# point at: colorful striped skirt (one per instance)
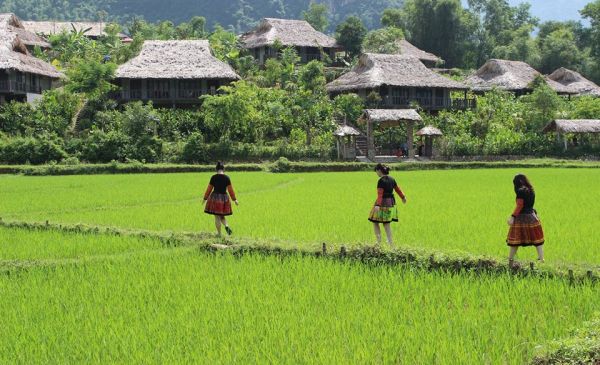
(387, 212)
(218, 204)
(525, 231)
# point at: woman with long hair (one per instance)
(384, 211)
(525, 226)
(216, 199)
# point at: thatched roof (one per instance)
(573, 126)
(408, 49)
(429, 131)
(190, 59)
(346, 130)
(15, 25)
(575, 82)
(288, 32)
(46, 28)
(13, 51)
(510, 76)
(391, 115)
(374, 70)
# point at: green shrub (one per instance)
(24, 150)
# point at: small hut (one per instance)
(15, 26)
(390, 118)
(92, 30)
(513, 76)
(428, 59)
(345, 136)
(401, 81)
(22, 76)
(429, 133)
(308, 42)
(173, 73)
(575, 81)
(562, 127)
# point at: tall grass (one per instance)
(450, 210)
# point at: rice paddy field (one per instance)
(463, 210)
(102, 298)
(180, 305)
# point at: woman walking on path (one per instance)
(525, 227)
(385, 210)
(216, 198)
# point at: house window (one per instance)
(424, 97)
(400, 96)
(135, 89)
(158, 89)
(190, 89)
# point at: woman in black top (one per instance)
(216, 198)
(385, 211)
(525, 226)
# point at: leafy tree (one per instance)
(393, 17)
(558, 49)
(447, 38)
(316, 15)
(350, 34)
(348, 106)
(384, 40)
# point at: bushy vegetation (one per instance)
(283, 110)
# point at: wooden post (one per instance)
(343, 251)
(571, 277)
(370, 141)
(410, 142)
(324, 249)
(590, 275)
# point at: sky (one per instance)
(553, 9)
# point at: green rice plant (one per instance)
(190, 307)
(464, 210)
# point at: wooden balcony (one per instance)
(15, 87)
(428, 103)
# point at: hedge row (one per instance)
(424, 259)
(583, 347)
(281, 165)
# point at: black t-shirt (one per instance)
(528, 197)
(220, 182)
(387, 183)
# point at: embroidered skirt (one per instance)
(218, 204)
(525, 231)
(387, 212)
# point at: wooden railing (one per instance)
(429, 103)
(18, 87)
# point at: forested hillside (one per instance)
(236, 14)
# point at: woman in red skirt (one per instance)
(216, 198)
(525, 227)
(384, 211)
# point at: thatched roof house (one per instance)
(573, 80)
(400, 80)
(173, 71)
(10, 22)
(375, 70)
(515, 76)
(391, 115)
(346, 130)
(429, 131)
(289, 33)
(22, 76)
(92, 30)
(408, 49)
(573, 126)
